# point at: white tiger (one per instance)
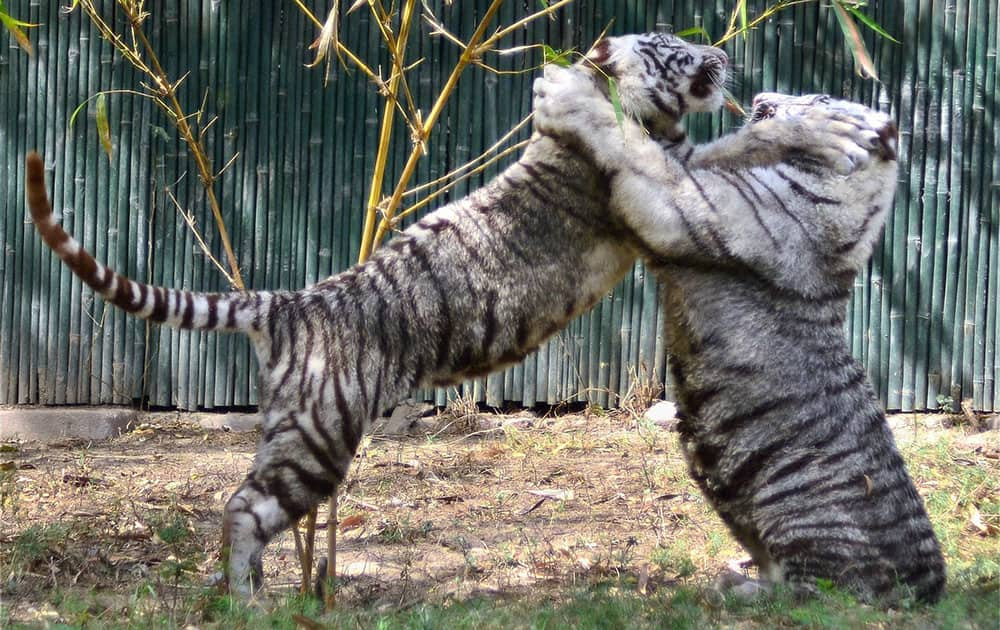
(757, 249)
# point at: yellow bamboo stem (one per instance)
(385, 134)
(470, 54)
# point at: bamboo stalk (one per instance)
(937, 184)
(978, 213)
(467, 57)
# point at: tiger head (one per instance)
(769, 105)
(661, 77)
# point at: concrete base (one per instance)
(51, 424)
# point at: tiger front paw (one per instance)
(568, 106)
(842, 135)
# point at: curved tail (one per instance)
(173, 307)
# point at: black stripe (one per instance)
(317, 420)
(305, 380)
(803, 191)
(751, 205)
(231, 315)
(159, 313)
(350, 434)
(755, 413)
(188, 310)
(791, 467)
(783, 207)
(446, 329)
(213, 310)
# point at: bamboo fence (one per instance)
(923, 318)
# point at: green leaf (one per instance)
(14, 26)
(103, 128)
(558, 57)
(863, 60)
(870, 23)
(616, 102)
(694, 30)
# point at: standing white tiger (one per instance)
(471, 288)
(781, 428)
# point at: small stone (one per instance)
(404, 417)
(663, 414)
(992, 423)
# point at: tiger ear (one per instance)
(600, 54)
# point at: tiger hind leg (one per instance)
(295, 469)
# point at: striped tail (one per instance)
(172, 307)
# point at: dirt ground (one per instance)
(480, 505)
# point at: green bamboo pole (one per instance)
(39, 341)
(311, 96)
(128, 335)
(917, 251)
(72, 215)
(971, 201)
(8, 153)
(898, 230)
(955, 301)
(207, 83)
(106, 354)
(28, 266)
(22, 245)
(937, 196)
(992, 194)
(951, 134)
(195, 260)
(979, 214)
(228, 61)
(180, 391)
(877, 306)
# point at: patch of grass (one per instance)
(402, 531)
(34, 546)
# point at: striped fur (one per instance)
(781, 427)
(471, 288)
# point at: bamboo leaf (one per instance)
(870, 23)
(103, 128)
(329, 37)
(863, 61)
(557, 57)
(616, 101)
(15, 27)
(694, 30)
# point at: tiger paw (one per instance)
(844, 136)
(568, 106)
(740, 586)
